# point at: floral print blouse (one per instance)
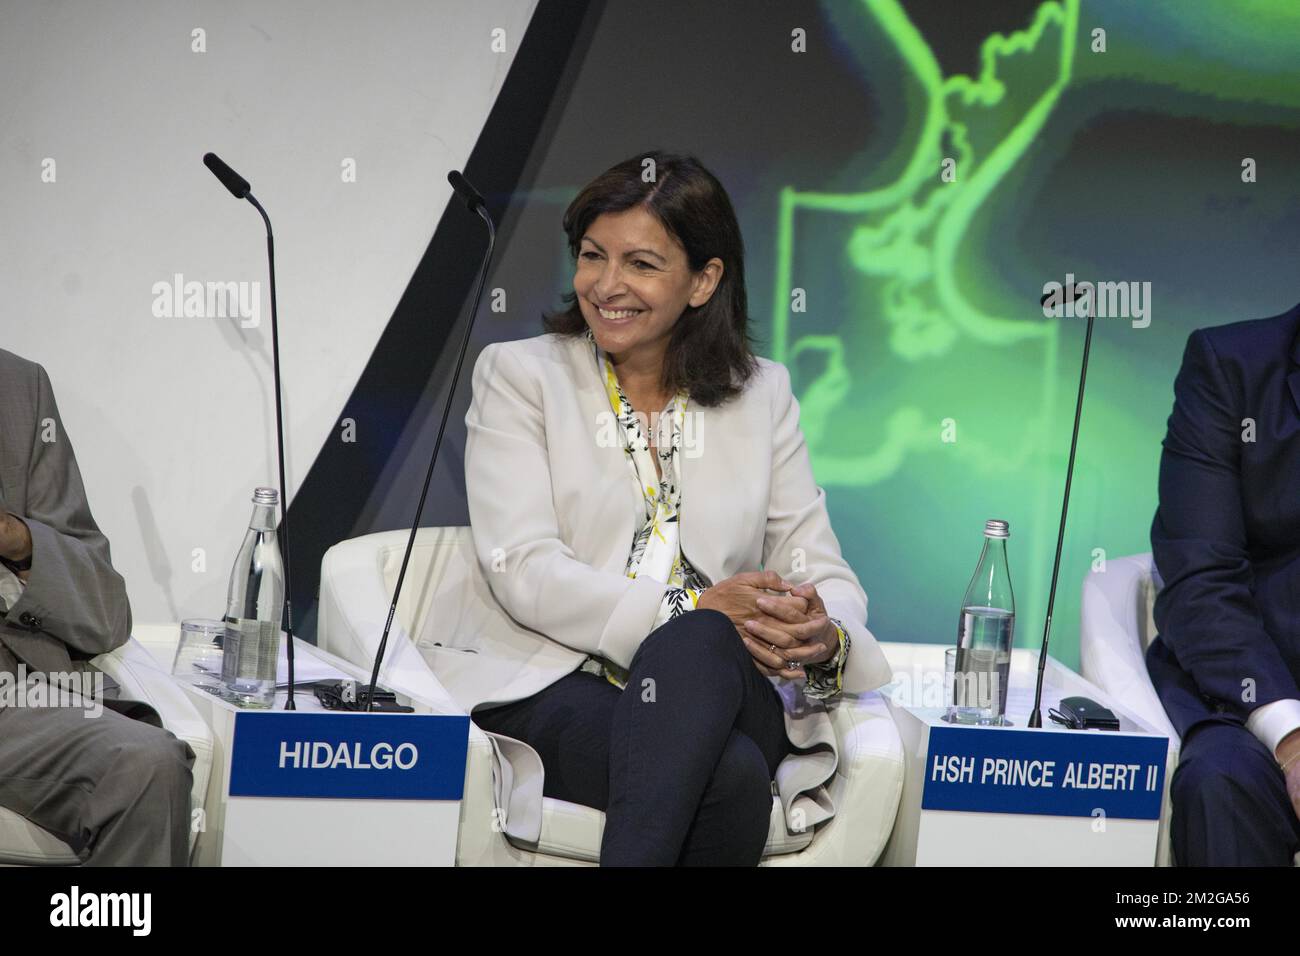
(656, 550)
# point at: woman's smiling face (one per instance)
(633, 282)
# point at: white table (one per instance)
(430, 826)
(915, 701)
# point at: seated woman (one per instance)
(641, 500)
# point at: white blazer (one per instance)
(553, 510)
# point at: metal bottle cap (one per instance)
(265, 496)
(996, 528)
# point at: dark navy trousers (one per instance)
(1230, 806)
(681, 761)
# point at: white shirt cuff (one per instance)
(1274, 721)
(11, 588)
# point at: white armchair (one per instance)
(1115, 629)
(143, 679)
(357, 579)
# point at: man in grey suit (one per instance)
(102, 775)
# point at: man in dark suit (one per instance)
(103, 775)
(1226, 541)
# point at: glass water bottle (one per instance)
(254, 609)
(985, 634)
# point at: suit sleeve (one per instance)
(1206, 612)
(72, 591)
(533, 574)
(799, 536)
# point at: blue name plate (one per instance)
(1065, 773)
(369, 756)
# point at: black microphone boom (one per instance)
(474, 201)
(1036, 716)
(239, 188)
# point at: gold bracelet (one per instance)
(1294, 758)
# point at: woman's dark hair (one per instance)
(710, 352)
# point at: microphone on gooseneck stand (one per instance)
(469, 195)
(1068, 294)
(239, 188)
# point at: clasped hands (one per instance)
(791, 627)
